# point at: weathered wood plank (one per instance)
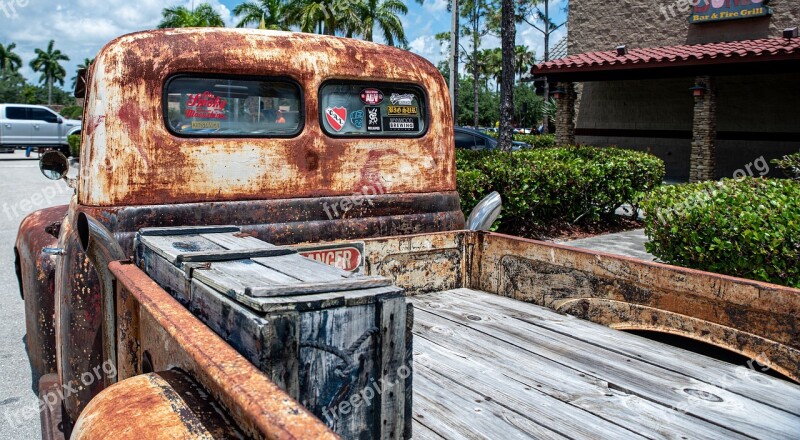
(237, 241)
(304, 269)
(458, 351)
(232, 254)
(170, 246)
(391, 321)
(320, 287)
(627, 374)
(454, 412)
(770, 391)
(187, 230)
(345, 400)
(422, 432)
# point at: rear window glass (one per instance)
(372, 109)
(228, 107)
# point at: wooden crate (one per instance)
(338, 342)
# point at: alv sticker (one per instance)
(371, 96)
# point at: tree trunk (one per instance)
(475, 71)
(546, 118)
(49, 90)
(508, 35)
(454, 63)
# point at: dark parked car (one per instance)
(469, 139)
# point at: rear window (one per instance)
(372, 110)
(233, 107)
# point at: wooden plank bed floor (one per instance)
(490, 367)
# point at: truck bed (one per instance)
(486, 366)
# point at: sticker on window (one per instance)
(353, 109)
(226, 107)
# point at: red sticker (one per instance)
(371, 96)
(336, 117)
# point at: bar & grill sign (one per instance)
(708, 11)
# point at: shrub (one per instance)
(72, 112)
(790, 165)
(534, 140)
(748, 228)
(74, 145)
(545, 186)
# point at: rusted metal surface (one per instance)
(129, 158)
(165, 405)
(36, 274)
(169, 336)
(420, 263)
(748, 317)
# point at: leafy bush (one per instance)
(748, 228)
(790, 165)
(534, 140)
(74, 145)
(72, 112)
(544, 186)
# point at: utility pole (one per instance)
(454, 62)
(546, 118)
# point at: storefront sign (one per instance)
(707, 11)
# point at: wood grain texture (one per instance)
(507, 350)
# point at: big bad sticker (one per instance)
(336, 117)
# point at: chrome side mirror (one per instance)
(54, 165)
(485, 213)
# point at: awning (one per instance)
(770, 55)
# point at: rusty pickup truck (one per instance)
(265, 241)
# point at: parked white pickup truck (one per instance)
(24, 126)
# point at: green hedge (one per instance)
(534, 140)
(547, 186)
(74, 145)
(790, 165)
(72, 112)
(748, 228)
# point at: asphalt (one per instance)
(23, 189)
(628, 243)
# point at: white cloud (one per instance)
(435, 6)
(428, 47)
(79, 27)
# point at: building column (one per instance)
(702, 164)
(565, 114)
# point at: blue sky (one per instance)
(81, 27)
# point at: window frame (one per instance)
(301, 119)
(375, 84)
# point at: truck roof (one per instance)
(129, 156)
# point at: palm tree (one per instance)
(310, 15)
(524, 58)
(508, 43)
(9, 61)
(47, 63)
(180, 16)
(271, 13)
(85, 65)
(384, 14)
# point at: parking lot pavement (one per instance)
(23, 190)
(628, 243)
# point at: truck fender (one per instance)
(36, 276)
(168, 404)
